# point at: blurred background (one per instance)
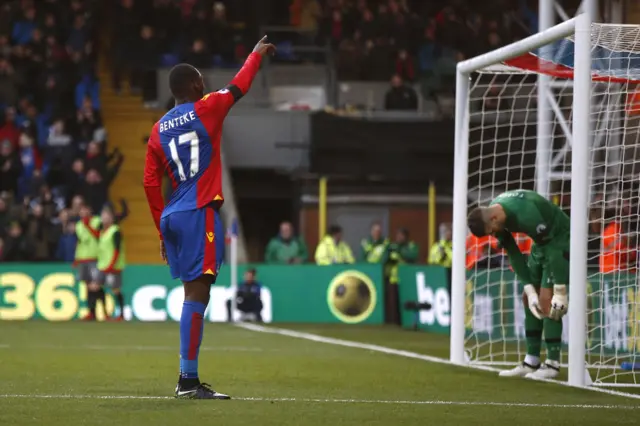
(81, 83)
(346, 132)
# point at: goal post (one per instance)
(590, 70)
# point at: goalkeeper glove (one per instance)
(559, 302)
(532, 298)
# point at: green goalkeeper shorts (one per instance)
(549, 264)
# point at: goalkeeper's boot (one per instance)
(521, 370)
(198, 391)
(548, 370)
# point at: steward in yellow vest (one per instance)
(374, 248)
(441, 253)
(332, 250)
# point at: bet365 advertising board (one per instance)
(494, 309)
(297, 293)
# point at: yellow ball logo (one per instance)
(351, 297)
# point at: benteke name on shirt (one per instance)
(178, 121)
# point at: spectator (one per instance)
(428, 52)
(348, 60)
(305, 15)
(198, 56)
(77, 202)
(47, 200)
(4, 216)
(248, 300)
(286, 248)
(51, 92)
(31, 160)
(88, 122)
(60, 146)
(40, 231)
(36, 48)
(368, 27)
(616, 252)
(94, 158)
(199, 26)
(10, 168)
(5, 46)
(336, 27)
(401, 251)
(9, 130)
(404, 66)
(10, 81)
(23, 29)
(58, 224)
(75, 177)
(375, 62)
(147, 63)
(33, 123)
(220, 32)
(374, 248)
(51, 27)
(127, 23)
(17, 247)
(400, 97)
(332, 250)
(493, 41)
(78, 37)
(164, 22)
(96, 185)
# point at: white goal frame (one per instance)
(580, 27)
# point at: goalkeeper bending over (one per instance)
(545, 272)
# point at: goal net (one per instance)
(518, 127)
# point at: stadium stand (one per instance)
(53, 143)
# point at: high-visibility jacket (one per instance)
(633, 103)
(330, 253)
(374, 251)
(615, 254)
(441, 254)
(523, 241)
(477, 248)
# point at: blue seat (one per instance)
(169, 59)
(285, 51)
(217, 61)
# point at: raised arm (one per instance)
(217, 104)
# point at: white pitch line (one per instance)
(135, 348)
(341, 401)
(402, 353)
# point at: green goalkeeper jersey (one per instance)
(546, 224)
(530, 213)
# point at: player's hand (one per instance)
(264, 47)
(163, 252)
(559, 302)
(534, 303)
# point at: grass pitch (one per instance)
(125, 373)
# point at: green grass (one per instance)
(138, 359)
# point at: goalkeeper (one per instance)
(545, 272)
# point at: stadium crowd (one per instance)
(53, 148)
(416, 40)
